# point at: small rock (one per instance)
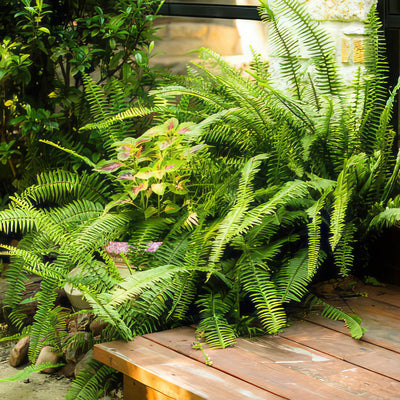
(67, 370)
(83, 364)
(47, 355)
(77, 346)
(19, 353)
(96, 326)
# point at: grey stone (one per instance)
(19, 353)
(48, 355)
(83, 364)
(96, 326)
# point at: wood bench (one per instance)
(312, 359)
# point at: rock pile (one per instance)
(75, 350)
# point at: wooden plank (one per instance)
(134, 390)
(388, 294)
(301, 377)
(172, 374)
(336, 373)
(357, 352)
(381, 321)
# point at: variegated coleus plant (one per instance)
(154, 169)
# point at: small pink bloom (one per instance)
(153, 246)
(117, 247)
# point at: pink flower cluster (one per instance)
(153, 246)
(124, 247)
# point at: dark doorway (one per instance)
(390, 15)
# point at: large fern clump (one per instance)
(307, 174)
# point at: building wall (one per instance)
(343, 19)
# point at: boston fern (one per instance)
(311, 169)
(56, 239)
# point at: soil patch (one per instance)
(37, 387)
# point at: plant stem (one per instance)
(125, 258)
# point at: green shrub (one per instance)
(45, 49)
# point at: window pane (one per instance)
(394, 7)
(219, 2)
(230, 38)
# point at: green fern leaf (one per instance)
(27, 371)
(91, 382)
(353, 322)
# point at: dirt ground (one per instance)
(37, 387)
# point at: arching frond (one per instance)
(353, 322)
(213, 325)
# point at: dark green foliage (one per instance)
(89, 384)
(214, 326)
(46, 51)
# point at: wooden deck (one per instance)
(314, 358)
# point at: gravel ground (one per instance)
(37, 387)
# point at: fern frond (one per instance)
(290, 65)
(257, 283)
(30, 369)
(134, 284)
(385, 219)
(33, 263)
(314, 233)
(353, 322)
(69, 151)
(343, 253)
(290, 191)
(316, 40)
(342, 196)
(230, 226)
(91, 382)
(132, 112)
(99, 105)
(61, 186)
(109, 314)
(293, 278)
(19, 220)
(185, 290)
(42, 327)
(96, 233)
(213, 325)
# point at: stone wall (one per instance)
(343, 19)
